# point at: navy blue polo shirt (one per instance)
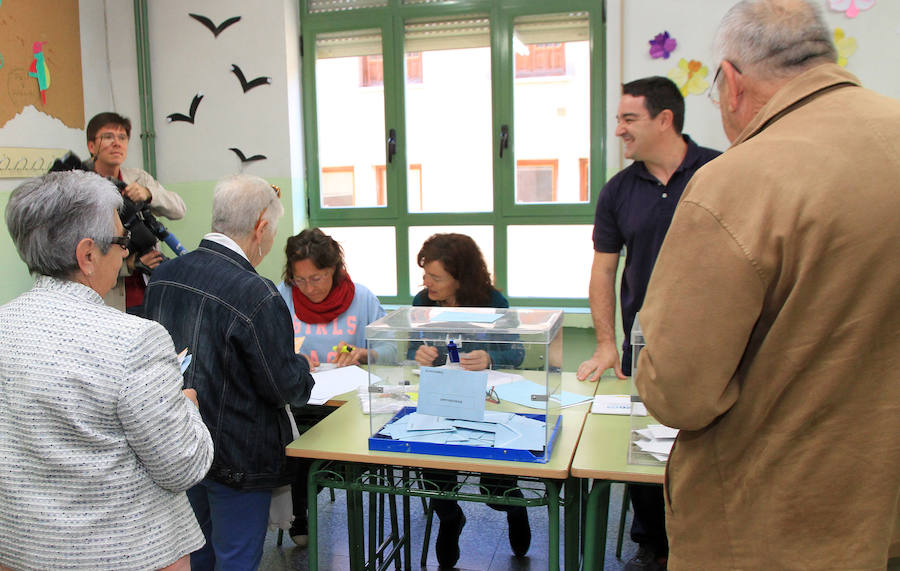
(634, 210)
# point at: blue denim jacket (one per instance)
(238, 330)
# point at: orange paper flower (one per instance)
(690, 77)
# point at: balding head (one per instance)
(775, 39)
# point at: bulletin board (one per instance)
(40, 60)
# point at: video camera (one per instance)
(136, 217)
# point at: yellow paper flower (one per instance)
(846, 47)
(689, 77)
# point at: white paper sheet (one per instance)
(332, 382)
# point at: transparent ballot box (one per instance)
(649, 442)
(508, 411)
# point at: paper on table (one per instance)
(617, 404)
(465, 317)
(661, 431)
(520, 392)
(656, 446)
(336, 381)
(454, 393)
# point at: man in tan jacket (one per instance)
(772, 319)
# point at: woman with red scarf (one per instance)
(330, 314)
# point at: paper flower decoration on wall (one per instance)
(846, 47)
(690, 76)
(850, 7)
(662, 45)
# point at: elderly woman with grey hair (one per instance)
(98, 442)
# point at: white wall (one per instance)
(187, 59)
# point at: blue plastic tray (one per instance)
(388, 444)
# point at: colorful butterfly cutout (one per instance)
(846, 47)
(850, 7)
(689, 76)
(662, 45)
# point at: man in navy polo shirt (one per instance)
(634, 210)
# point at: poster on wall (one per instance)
(40, 60)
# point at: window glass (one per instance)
(549, 261)
(552, 107)
(371, 256)
(483, 236)
(350, 116)
(342, 5)
(448, 114)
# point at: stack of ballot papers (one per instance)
(656, 440)
(617, 404)
(497, 430)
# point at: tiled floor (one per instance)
(483, 544)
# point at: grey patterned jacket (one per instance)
(97, 441)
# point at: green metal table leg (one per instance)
(553, 524)
(596, 520)
(373, 530)
(311, 492)
(355, 518)
(572, 529)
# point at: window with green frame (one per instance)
(453, 105)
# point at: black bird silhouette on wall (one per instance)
(189, 118)
(248, 85)
(216, 30)
(245, 159)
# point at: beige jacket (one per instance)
(162, 203)
(772, 323)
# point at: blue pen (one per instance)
(452, 352)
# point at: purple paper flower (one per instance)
(662, 45)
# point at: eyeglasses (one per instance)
(277, 191)
(311, 281)
(121, 240)
(110, 137)
(713, 93)
(491, 396)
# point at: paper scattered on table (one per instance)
(333, 381)
(656, 440)
(513, 431)
(617, 404)
(520, 392)
(465, 317)
(453, 393)
(386, 402)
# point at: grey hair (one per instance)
(238, 201)
(779, 38)
(48, 216)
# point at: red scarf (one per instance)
(335, 303)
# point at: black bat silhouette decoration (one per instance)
(248, 85)
(245, 159)
(216, 30)
(192, 113)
